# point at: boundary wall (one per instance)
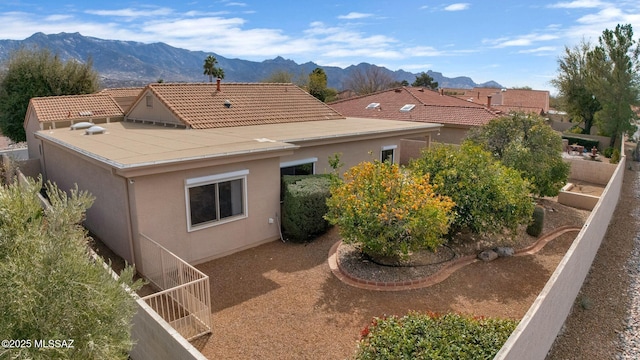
(538, 329)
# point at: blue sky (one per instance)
(513, 43)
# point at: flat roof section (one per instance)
(129, 145)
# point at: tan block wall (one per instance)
(591, 171)
(538, 329)
(576, 200)
(161, 212)
(108, 216)
(155, 339)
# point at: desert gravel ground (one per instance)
(281, 301)
(605, 320)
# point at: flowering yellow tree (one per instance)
(388, 211)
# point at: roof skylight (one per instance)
(407, 107)
(373, 105)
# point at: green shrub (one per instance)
(430, 336)
(587, 143)
(615, 156)
(575, 130)
(608, 152)
(388, 210)
(304, 206)
(535, 228)
(489, 197)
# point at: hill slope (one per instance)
(129, 63)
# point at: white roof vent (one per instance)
(85, 113)
(372, 106)
(407, 107)
(81, 125)
(94, 130)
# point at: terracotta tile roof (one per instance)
(516, 99)
(430, 107)
(75, 107)
(122, 92)
(202, 106)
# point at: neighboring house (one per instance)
(419, 104)
(505, 100)
(197, 167)
(123, 96)
(63, 111)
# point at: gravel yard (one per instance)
(281, 301)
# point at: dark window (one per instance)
(216, 201)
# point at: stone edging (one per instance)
(441, 275)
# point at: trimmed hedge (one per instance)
(304, 206)
(431, 336)
(587, 143)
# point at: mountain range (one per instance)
(129, 63)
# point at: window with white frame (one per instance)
(299, 167)
(388, 153)
(215, 199)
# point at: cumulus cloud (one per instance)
(354, 15)
(457, 7)
(578, 4)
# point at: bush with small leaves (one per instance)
(388, 210)
(432, 336)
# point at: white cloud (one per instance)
(132, 13)
(522, 40)
(354, 15)
(542, 49)
(578, 4)
(457, 7)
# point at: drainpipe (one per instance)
(132, 222)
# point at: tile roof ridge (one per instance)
(365, 95)
(38, 98)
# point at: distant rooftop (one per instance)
(211, 105)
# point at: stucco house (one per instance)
(197, 167)
(419, 104)
(505, 101)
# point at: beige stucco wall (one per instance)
(352, 152)
(451, 135)
(31, 127)
(157, 112)
(108, 216)
(161, 211)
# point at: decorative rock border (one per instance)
(441, 275)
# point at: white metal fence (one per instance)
(184, 300)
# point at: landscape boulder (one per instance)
(504, 251)
(488, 255)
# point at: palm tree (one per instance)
(211, 69)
